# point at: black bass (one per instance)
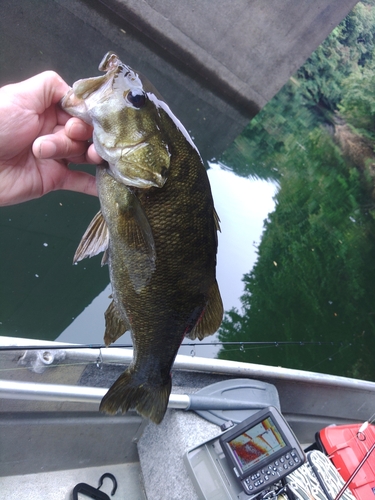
(157, 227)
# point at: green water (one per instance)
(41, 292)
(311, 289)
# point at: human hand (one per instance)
(38, 140)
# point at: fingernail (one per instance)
(47, 149)
(77, 129)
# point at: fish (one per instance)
(157, 228)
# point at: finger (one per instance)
(43, 148)
(78, 130)
(92, 156)
(62, 117)
(58, 146)
(80, 182)
(47, 88)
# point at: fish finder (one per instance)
(262, 450)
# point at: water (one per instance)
(41, 293)
(313, 280)
(310, 293)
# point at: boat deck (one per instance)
(47, 447)
(57, 485)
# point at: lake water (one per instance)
(41, 293)
(314, 282)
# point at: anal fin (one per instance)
(115, 325)
(211, 319)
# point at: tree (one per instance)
(358, 102)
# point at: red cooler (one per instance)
(346, 446)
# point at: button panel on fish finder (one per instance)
(279, 468)
(261, 450)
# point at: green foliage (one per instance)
(349, 46)
(356, 32)
(313, 280)
(358, 101)
(321, 76)
(259, 151)
(310, 97)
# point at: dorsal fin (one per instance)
(217, 221)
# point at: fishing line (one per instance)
(63, 347)
(244, 349)
(249, 346)
(330, 357)
(256, 346)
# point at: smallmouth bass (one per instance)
(157, 228)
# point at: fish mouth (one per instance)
(70, 100)
(101, 85)
(109, 62)
(114, 67)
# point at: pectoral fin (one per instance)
(115, 325)
(212, 317)
(95, 239)
(133, 235)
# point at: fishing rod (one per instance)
(62, 346)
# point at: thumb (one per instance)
(46, 88)
(58, 145)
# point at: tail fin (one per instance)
(127, 392)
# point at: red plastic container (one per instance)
(346, 446)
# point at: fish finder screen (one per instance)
(256, 444)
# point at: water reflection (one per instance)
(313, 280)
(242, 204)
(311, 289)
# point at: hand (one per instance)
(38, 140)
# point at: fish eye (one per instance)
(136, 99)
